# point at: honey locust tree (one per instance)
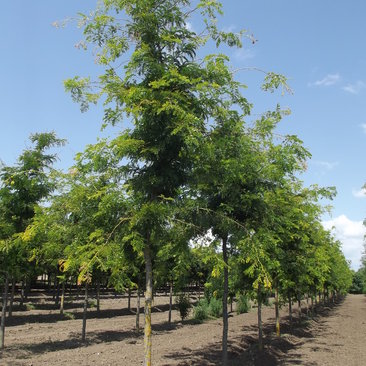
(168, 95)
(22, 188)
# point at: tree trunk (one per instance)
(138, 311)
(57, 300)
(12, 297)
(3, 312)
(260, 328)
(225, 318)
(312, 305)
(148, 304)
(290, 309)
(22, 295)
(62, 298)
(129, 300)
(277, 311)
(98, 295)
(170, 301)
(83, 331)
(299, 305)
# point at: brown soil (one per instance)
(43, 337)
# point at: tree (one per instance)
(22, 189)
(169, 96)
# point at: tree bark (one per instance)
(138, 311)
(85, 310)
(277, 311)
(225, 326)
(148, 304)
(22, 295)
(170, 301)
(98, 295)
(129, 300)
(12, 294)
(3, 312)
(290, 308)
(260, 328)
(299, 305)
(62, 298)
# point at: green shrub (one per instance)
(183, 305)
(215, 307)
(243, 304)
(201, 311)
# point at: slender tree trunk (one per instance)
(290, 308)
(129, 300)
(62, 298)
(299, 305)
(307, 304)
(85, 310)
(260, 328)
(225, 318)
(312, 305)
(148, 304)
(138, 311)
(12, 294)
(27, 287)
(49, 281)
(98, 295)
(3, 311)
(57, 300)
(170, 301)
(22, 294)
(277, 311)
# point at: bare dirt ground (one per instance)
(40, 336)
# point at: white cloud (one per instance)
(326, 164)
(231, 28)
(351, 235)
(359, 194)
(363, 126)
(243, 54)
(329, 80)
(355, 88)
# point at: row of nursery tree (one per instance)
(189, 193)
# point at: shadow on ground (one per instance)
(244, 350)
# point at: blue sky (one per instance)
(318, 45)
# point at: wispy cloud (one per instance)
(350, 234)
(229, 28)
(363, 126)
(355, 88)
(243, 54)
(328, 80)
(327, 165)
(360, 193)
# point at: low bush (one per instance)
(215, 307)
(207, 309)
(243, 304)
(201, 311)
(183, 305)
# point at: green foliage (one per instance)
(358, 282)
(201, 311)
(215, 307)
(206, 309)
(183, 305)
(242, 304)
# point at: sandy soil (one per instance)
(40, 336)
